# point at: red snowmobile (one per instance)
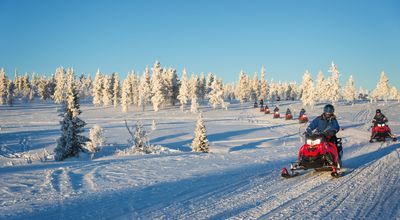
(317, 153)
(262, 109)
(380, 132)
(288, 117)
(266, 110)
(303, 119)
(276, 115)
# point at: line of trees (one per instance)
(160, 87)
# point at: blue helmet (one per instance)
(329, 109)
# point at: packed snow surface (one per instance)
(239, 178)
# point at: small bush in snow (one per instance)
(96, 135)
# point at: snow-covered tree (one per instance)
(394, 94)
(382, 89)
(243, 88)
(96, 136)
(10, 93)
(107, 91)
(209, 81)
(194, 93)
(97, 91)
(307, 87)
(255, 88)
(116, 89)
(70, 143)
(184, 93)
(349, 92)
(125, 94)
(333, 87)
(202, 87)
(200, 141)
(263, 85)
(59, 92)
(145, 89)
(3, 87)
(171, 85)
(216, 94)
(320, 87)
(158, 92)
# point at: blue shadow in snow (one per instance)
(356, 162)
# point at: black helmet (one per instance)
(378, 111)
(329, 109)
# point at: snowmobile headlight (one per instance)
(318, 141)
(381, 125)
(309, 142)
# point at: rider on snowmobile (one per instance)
(302, 112)
(327, 125)
(288, 112)
(380, 118)
(261, 103)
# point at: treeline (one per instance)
(159, 87)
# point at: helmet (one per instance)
(329, 109)
(378, 111)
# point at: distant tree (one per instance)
(210, 80)
(60, 79)
(394, 94)
(216, 94)
(202, 87)
(107, 91)
(125, 94)
(263, 85)
(171, 85)
(307, 87)
(200, 141)
(116, 89)
(320, 90)
(70, 143)
(382, 89)
(3, 87)
(184, 94)
(243, 88)
(333, 87)
(145, 89)
(349, 92)
(97, 91)
(195, 94)
(158, 92)
(10, 93)
(255, 88)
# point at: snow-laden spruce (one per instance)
(158, 89)
(3, 87)
(263, 85)
(200, 141)
(97, 91)
(349, 92)
(183, 96)
(333, 86)
(216, 94)
(70, 143)
(59, 92)
(195, 88)
(382, 89)
(307, 87)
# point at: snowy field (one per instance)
(239, 179)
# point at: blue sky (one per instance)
(220, 36)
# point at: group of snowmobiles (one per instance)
(322, 150)
(275, 114)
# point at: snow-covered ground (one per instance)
(239, 179)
